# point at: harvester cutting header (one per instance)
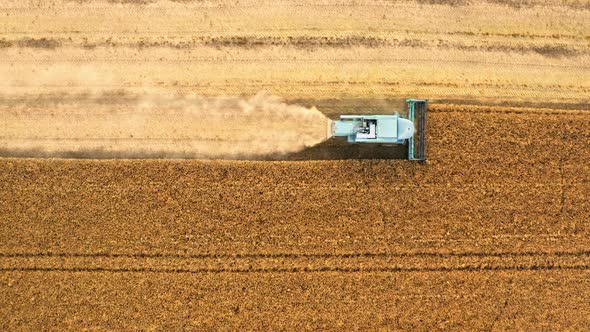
(388, 129)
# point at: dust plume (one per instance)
(157, 124)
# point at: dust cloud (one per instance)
(87, 113)
(157, 124)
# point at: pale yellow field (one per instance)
(479, 51)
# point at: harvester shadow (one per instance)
(331, 149)
(340, 149)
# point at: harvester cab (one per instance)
(388, 129)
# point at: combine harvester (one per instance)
(387, 129)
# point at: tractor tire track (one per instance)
(229, 41)
(474, 268)
(279, 263)
(292, 255)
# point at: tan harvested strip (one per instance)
(477, 51)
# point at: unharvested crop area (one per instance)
(495, 225)
(491, 234)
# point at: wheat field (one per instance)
(491, 234)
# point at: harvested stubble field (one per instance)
(491, 234)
